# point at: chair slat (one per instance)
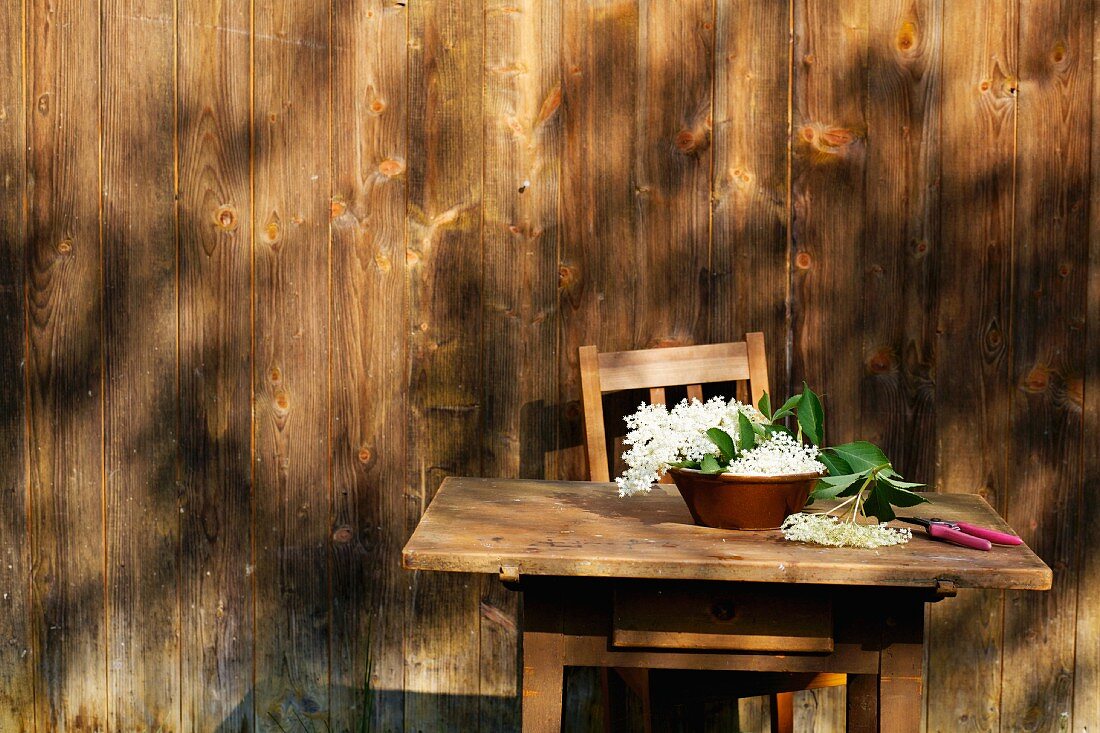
(678, 365)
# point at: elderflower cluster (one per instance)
(780, 455)
(658, 438)
(823, 529)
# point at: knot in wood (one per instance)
(225, 218)
(1037, 380)
(391, 167)
(343, 535)
(803, 261)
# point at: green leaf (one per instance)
(765, 405)
(860, 455)
(837, 466)
(894, 480)
(684, 464)
(898, 496)
(877, 506)
(834, 486)
(748, 435)
(810, 415)
(787, 408)
(710, 464)
(722, 439)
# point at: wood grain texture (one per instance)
(369, 318)
(821, 710)
(899, 257)
(1086, 676)
(598, 278)
(1048, 341)
(973, 393)
(521, 109)
(828, 189)
(292, 514)
(586, 529)
(16, 662)
(139, 251)
(215, 365)
(749, 190)
(65, 365)
(444, 265)
(672, 163)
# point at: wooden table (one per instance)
(632, 583)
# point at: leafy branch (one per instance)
(859, 473)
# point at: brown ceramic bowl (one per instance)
(742, 502)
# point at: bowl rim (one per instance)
(735, 478)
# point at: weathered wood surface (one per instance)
(64, 301)
(291, 429)
(750, 194)
(213, 59)
(829, 183)
(1086, 677)
(585, 529)
(140, 293)
(1051, 227)
(16, 661)
(972, 390)
(444, 267)
(369, 318)
(521, 233)
(898, 194)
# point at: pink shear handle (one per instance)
(956, 537)
(999, 538)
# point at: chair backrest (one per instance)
(655, 369)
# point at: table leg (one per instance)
(543, 675)
(901, 671)
(543, 662)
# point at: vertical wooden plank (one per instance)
(598, 274)
(1052, 228)
(1086, 677)
(672, 164)
(16, 662)
(522, 129)
(598, 277)
(973, 393)
(292, 501)
(750, 203)
(369, 317)
(899, 255)
(444, 291)
(215, 364)
(828, 190)
(139, 220)
(65, 364)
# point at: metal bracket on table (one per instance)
(945, 589)
(509, 576)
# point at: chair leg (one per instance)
(782, 712)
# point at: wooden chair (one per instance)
(690, 366)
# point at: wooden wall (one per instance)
(270, 271)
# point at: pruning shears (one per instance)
(964, 534)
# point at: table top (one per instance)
(583, 529)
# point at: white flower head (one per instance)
(823, 529)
